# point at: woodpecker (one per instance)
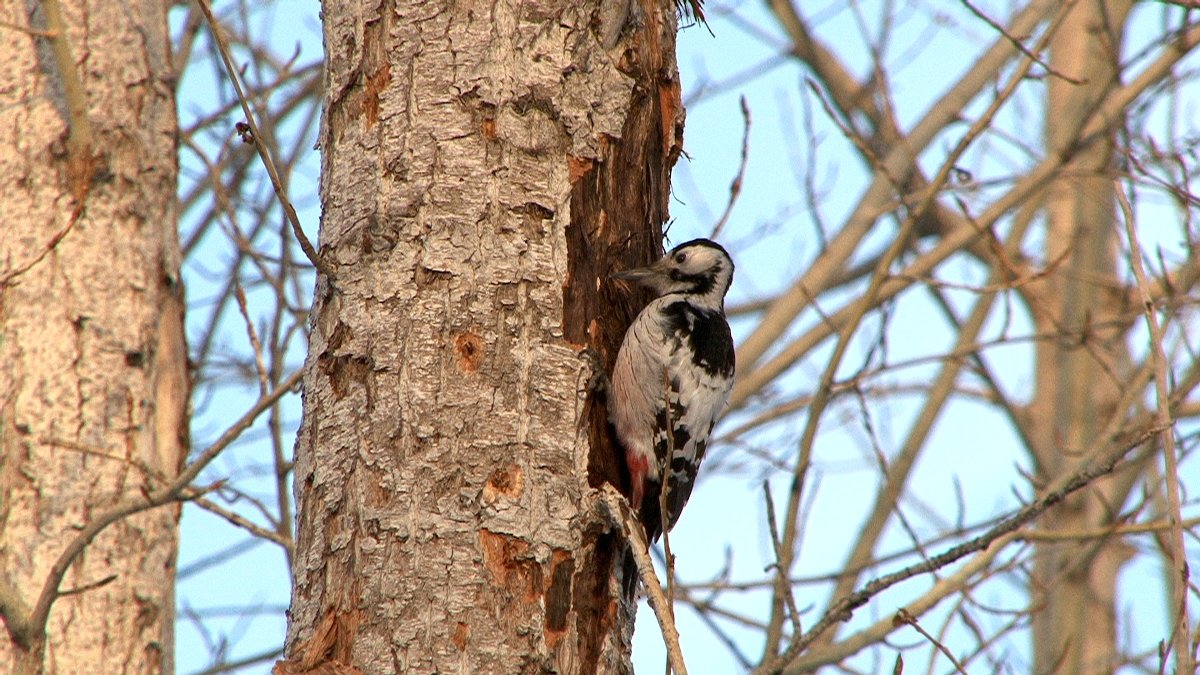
(673, 375)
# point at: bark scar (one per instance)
(469, 348)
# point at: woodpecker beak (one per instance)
(641, 275)
(647, 276)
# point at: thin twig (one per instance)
(951, 584)
(780, 575)
(938, 393)
(859, 308)
(230, 666)
(620, 515)
(1104, 455)
(88, 587)
(50, 245)
(79, 131)
(847, 91)
(1153, 527)
(664, 487)
(1016, 42)
(1180, 631)
(735, 188)
(821, 398)
(26, 29)
(263, 152)
(779, 318)
(707, 611)
(905, 618)
(246, 524)
(252, 334)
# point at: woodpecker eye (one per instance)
(680, 257)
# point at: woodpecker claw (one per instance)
(598, 379)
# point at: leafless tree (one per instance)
(93, 366)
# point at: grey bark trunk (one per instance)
(93, 366)
(484, 167)
(1080, 375)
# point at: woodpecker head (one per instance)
(700, 269)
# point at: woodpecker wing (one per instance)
(695, 387)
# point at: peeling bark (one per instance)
(93, 364)
(484, 168)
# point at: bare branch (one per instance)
(735, 188)
(842, 609)
(905, 618)
(79, 135)
(1108, 113)
(1180, 630)
(263, 152)
(245, 523)
(898, 161)
(36, 623)
(1016, 42)
(782, 587)
(618, 512)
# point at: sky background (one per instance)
(773, 233)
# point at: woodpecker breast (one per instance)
(673, 376)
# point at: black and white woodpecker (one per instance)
(673, 376)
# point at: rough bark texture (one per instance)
(1081, 375)
(93, 379)
(485, 165)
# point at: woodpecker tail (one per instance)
(650, 511)
(629, 577)
(650, 516)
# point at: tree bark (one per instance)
(93, 364)
(484, 167)
(1080, 376)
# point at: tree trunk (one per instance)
(93, 366)
(484, 167)
(1080, 375)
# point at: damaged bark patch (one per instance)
(670, 98)
(511, 566)
(507, 482)
(462, 632)
(516, 575)
(326, 651)
(469, 348)
(619, 202)
(558, 596)
(344, 369)
(375, 84)
(595, 606)
(340, 335)
(578, 167)
(358, 98)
